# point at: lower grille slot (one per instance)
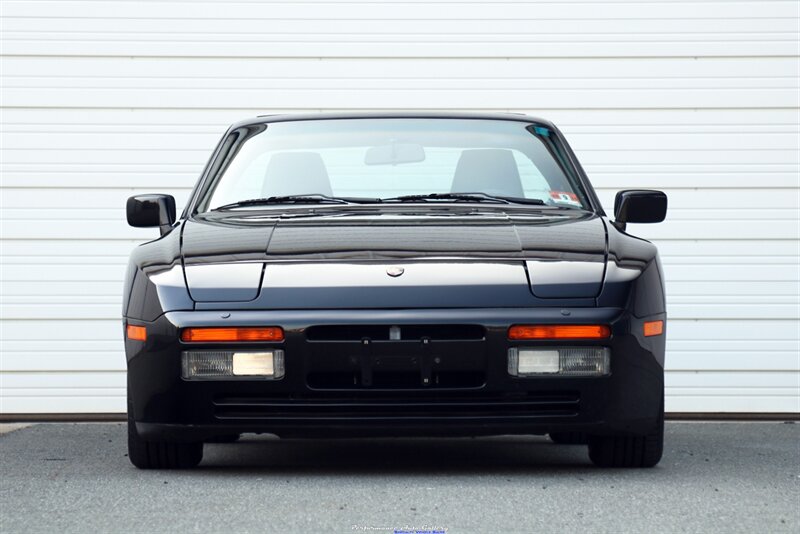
(396, 380)
(532, 405)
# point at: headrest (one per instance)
(487, 170)
(296, 173)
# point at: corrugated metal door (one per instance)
(102, 100)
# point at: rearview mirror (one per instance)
(395, 154)
(145, 211)
(639, 206)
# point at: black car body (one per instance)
(453, 315)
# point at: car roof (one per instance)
(288, 117)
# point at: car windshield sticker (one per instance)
(564, 197)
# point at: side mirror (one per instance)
(145, 211)
(639, 206)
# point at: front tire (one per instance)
(629, 451)
(160, 454)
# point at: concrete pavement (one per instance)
(715, 477)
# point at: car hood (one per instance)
(238, 258)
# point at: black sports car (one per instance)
(395, 274)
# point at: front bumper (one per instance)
(469, 392)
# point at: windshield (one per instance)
(369, 160)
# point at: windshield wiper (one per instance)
(468, 197)
(297, 199)
(568, 208)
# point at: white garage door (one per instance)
(102, 100)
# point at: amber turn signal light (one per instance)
(653, 328)
(576, 331)
(136, 333)
(235, 334)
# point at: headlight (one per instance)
(223, 365)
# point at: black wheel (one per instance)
(225, 438)
(569, 438)
(160, 454)
(629, 451)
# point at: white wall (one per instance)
(104, 99)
